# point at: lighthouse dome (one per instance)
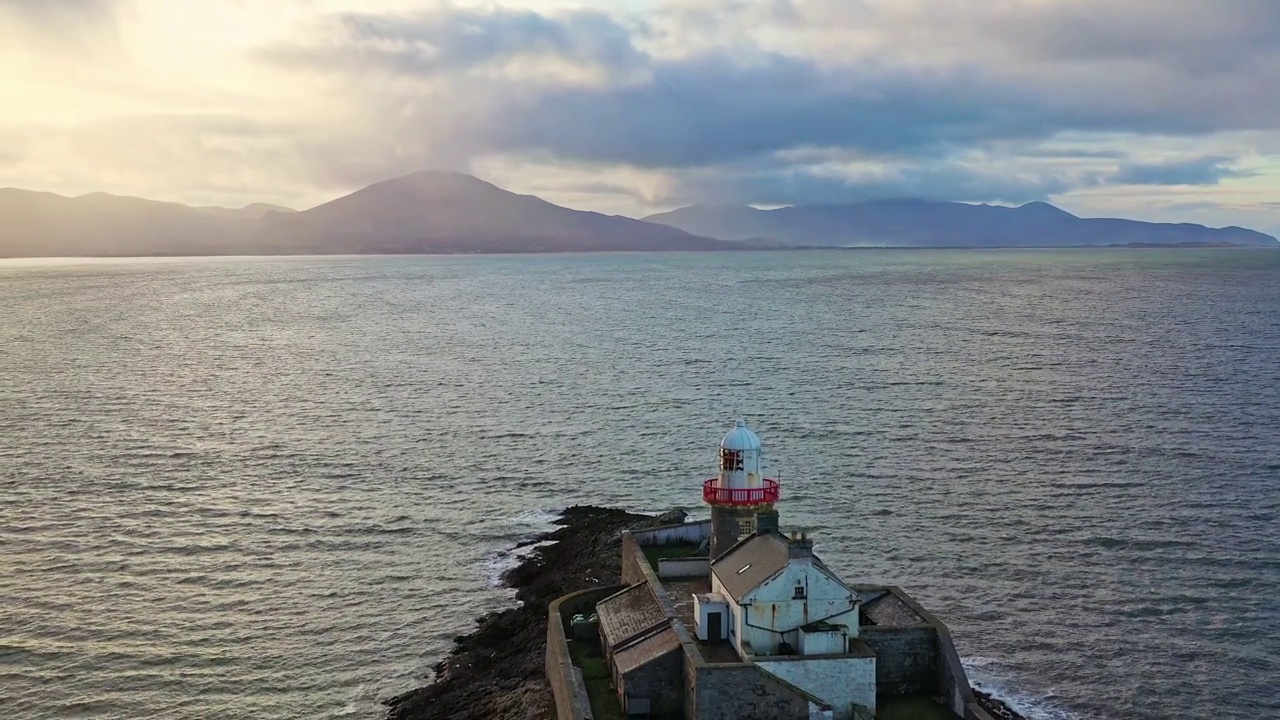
(740, 438)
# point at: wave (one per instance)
(986, 674)
(528, 524)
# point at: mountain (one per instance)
(922, 223)
(252, 212)
(449, 212)
(36, 224)
(426, 212)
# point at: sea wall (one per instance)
(633, 560)
(684, 567)
(953, 683)
(682, 534)
(567, 685)
(906, 658)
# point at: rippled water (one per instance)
(276, 488)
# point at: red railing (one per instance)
(716, 495)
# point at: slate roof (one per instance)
(749, 563)
(646, 651)
(888, 610)
(628, 613)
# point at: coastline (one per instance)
(497, 671)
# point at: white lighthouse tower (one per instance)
(739, 492)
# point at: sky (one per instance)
(1165, 111)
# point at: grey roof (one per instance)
(628, 613)
(647, 650)
(888, 610)
(745, 566)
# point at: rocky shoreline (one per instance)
(497, 671)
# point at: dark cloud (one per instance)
(1195, 171)
(1091, 67)
(926, 181)
(452, 39)
(714, 109)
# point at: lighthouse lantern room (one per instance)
(740, 492)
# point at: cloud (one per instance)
(65, 21)
(452, 39)
(723, 104)
(1195, 171)
(766, 102)
(783, 185)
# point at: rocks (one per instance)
(497, 672)
(996, 707)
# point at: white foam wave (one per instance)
(986, 674)
(529, 523)
(541, 518)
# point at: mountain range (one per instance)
(448, 212)
(923, 223)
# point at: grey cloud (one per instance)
(1196, 171)
(925, 181)
(726, 106)
(59, 15)
(452, 39)
(715, 109)
(1201, 36)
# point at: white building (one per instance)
(759, 627)
(791, 616)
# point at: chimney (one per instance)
(800, 549)
(766, 522)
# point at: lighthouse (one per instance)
(740, 492)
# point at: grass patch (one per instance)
(595, 671)
(654, 553)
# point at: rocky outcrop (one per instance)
(996, 707)
(497, 672)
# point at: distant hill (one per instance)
(426, 212)
(449, 212)
(252, 212)
(34, 224)
(921, 223)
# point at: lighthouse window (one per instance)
(730, 460)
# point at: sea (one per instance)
(279, 487)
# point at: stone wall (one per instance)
(732, 692)
(682, 534)
(906, 658)
(953, 683)
(633, 560)
(690, 567)
(567, 686)
(841, 682)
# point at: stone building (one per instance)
(730, 619)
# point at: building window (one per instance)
(799, 593)
(746, 526)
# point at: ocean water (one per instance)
(278, 487)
